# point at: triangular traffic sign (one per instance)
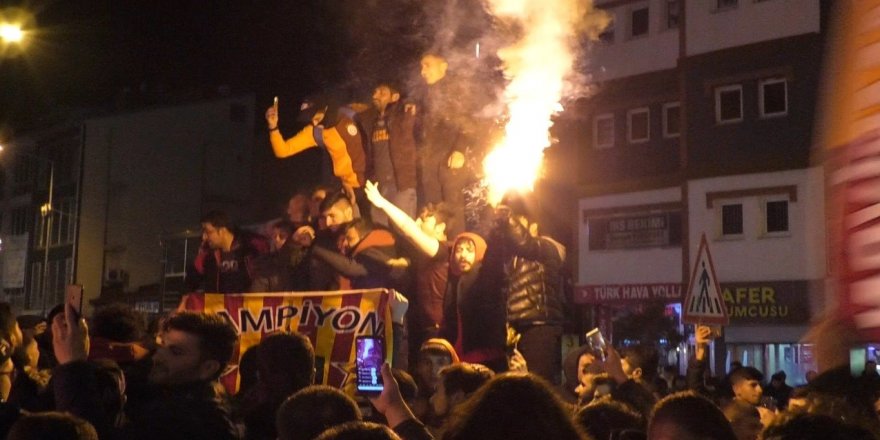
(704, 303)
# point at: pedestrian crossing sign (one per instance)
(704, 303)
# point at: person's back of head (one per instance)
(118, 323)
(607, 419)
(312, 410)
(286, 362)
(110, 387)
(406, 383)
(465, 377)
(744, 419)
(686, 415)
(358, 431)
(512, 406)
(51, 425)
(804, 426)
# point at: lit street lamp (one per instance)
(11, 33)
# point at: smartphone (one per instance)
(857, 357)
(73, 295)
(596, 342)
(275, 104)
(370, 355)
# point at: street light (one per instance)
(11, 33)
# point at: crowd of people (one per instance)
(113, 377)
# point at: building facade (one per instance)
(128, 191)
(702, 124)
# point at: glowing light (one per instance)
(536, 67)
(11, 33)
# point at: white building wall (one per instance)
(756, 256)
(710, 29)
(650, 265)
(626, 56)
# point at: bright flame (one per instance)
(11, 33)
(536, 67)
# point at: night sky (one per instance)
(93, 53)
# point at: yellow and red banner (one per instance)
(331, 320)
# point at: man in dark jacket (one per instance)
(184, 402)
(391, 150)
(532, 284)
(225, 262)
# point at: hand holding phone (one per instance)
(73, 295)
(369, 357)
(596, 342)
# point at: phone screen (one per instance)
(370, 357)
(74, 295)
(596, 342)
(857, 358)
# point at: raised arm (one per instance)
(410, 229)
(301, 141)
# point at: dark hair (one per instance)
(311, 410)
(694, 414)
(118, 323)
(217, 219)
(464, 377)
(604, 418)
(407, 384)
(285, 225)
(518, 204)
(286, 362)
(812, 427)
(54, 425)
(779, 375)
(110, 388)
(512, 405)
(248, 370)
(358, 431)
(7, 321)
(390, 85)
(217, 338)
(745, 373)
(333, 199)
(644, 357)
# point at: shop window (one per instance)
(673, 13)
(603, 131)
(728, 104)
(638, 123)
(639, 19)
(773, 97)
(671, 120)
(776, 216)
(732, 220)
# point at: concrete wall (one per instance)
(156, 172)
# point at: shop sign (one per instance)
(767, 302)
(627, 293)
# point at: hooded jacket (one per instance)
(474, 313)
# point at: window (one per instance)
(773, 97)
(777, 216)
(725, 4)
(728, 104)
(671, 119)
(673, 13)
(603, 131)
(607, 35)
(639, 22)
(18, 220)
(63, 225)
(638, 124)
(732, 219)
